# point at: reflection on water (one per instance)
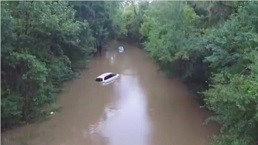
(127, 122)
(111, 55)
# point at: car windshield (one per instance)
(99, 79)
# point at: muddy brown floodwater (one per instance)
(142, 107)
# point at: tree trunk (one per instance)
(25, 95)
(99, 47)
(26, 108)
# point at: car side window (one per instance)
(108, 76)
(99, 79)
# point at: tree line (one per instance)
(212, 47)
(45, 44)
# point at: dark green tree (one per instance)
(42, 46)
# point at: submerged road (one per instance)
(142, 107)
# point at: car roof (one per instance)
(105, 74)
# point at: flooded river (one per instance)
(142, 107)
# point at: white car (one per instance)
(107, 77)
(121, 49)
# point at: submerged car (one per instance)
(121, 49)
(107, 77)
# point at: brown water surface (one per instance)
(142, 107)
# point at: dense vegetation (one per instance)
(211, 46)
(43, 45)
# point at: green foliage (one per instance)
(103, 18)
(170, 38)
(219, 57)
(235, 103)
(11, 108)
(117, 27)
(132, 19)
(233, 93)
(42, 46)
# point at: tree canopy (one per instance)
(45, 44)
(214, 46)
